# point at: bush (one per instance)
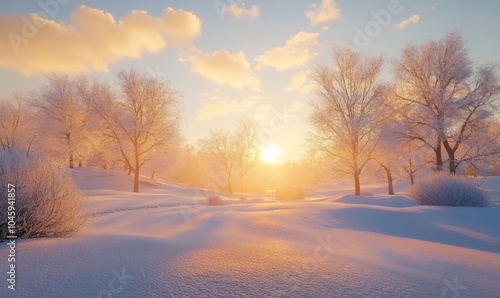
(289, 193)
(48, 203)
(214, 200)
(448, 190)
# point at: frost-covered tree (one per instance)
(247, 144)
(387, 155)
(17, 123)
(63, 112)
(412, 156)
(443, 98)
(143, 118)
(220, 150)
(350, 103)
(190, 166)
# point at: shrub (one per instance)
(289, 193)
(448, 190)
(214, 200)
(48, 203)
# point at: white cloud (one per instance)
(91, 41)
(325, 12)
(222, 68)
(218, 107)
(297, 81)
(300, 82)
(295, 53)
(295, 107)
(240, 11)
(409, 21)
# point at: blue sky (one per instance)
(229, 58)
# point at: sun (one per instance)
(270, 153)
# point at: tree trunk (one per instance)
(390, 185)
(136, 174)
(439, 157)
(357, 187)
(452, 162)
(71, 164)
(80, 164)
(410, 172)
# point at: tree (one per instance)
(349, 106)
(62, 110)
(191, 167)
(221, 151)
(247, 143)
(412, 158)
(482, 148)
(386, 153)
(17, 125)
(143, 119)
(444, 101)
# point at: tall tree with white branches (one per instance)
(444, 100)
(62, 110)
(143, 118)
(350, 104)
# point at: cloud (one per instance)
(295, 53)
(218, 107)
(325, 12)
(240, 11)
(295, 107)
(91, 41)
(297, 81)
(409, 21)
(222, 68)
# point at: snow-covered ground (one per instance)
(164, 243)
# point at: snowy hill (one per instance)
(164, 242)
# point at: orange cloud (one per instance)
(297, 81)
(238, 11)
(222, 68)
(325, 12)
(92, 41)
(295, 53)
(217, 107)
(409, 21)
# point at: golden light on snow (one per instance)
(270, 153)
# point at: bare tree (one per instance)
(220, 149)
(350, 104)
(17, 125)
(247, 143)
(142, 120)
(62, 111)
(386, 153)
(443, 100)
(412, 158)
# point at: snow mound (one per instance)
(387, 201)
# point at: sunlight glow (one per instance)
(269, 153)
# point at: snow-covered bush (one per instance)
(215, 200)
(47, 202)
(448, 190)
